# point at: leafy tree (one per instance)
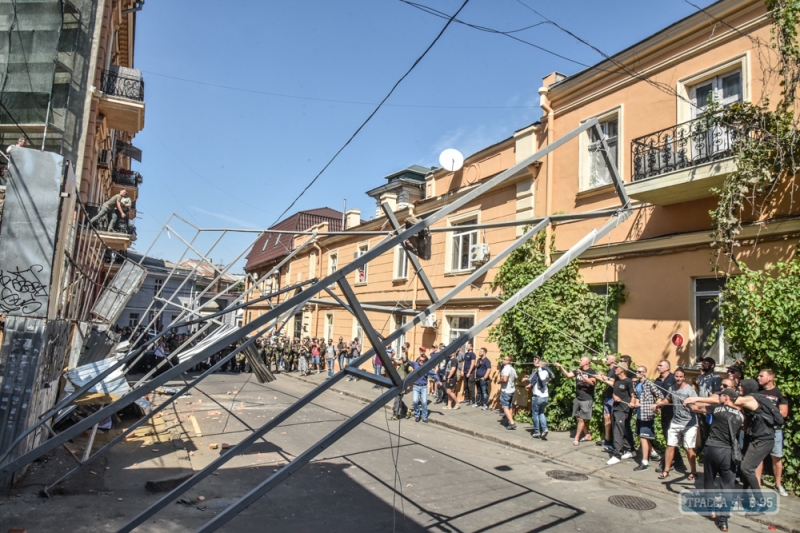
(561, 321)
(760, 313)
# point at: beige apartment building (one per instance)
(649, 99)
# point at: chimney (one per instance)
(353, 218)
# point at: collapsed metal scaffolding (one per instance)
(292, 301)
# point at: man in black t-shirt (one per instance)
(726, 419)
(624, 403)
(767, 389)
(608, 401)
(585, 381)
(469, 376)
(666, 382)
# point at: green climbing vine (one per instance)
(764, 140)
(561, 322)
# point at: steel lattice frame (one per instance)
(394, 385)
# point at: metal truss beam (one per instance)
(301, 460)
(619, 185)
(426, 283)
(337, 302)
(312, 395)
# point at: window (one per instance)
(712, 140)
(298, 325)
(312, 265)
(159, 284)
(725, 89)
(611, 333)
(598, 173)
(400, 263)
(266, 242)
(361, 273)
(133, 320)
(706, 313)
(458, 326)
(460, 243)
(333, 266)
(328, 326)
(399, 322)
(358, 333)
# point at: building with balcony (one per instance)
(649, 100)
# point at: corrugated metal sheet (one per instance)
(98, 345)
(116, 296)
(114, 383)
(19, 362)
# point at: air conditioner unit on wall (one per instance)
(429, 321)
(479, 253)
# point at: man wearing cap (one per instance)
(113, 205)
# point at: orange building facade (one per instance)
(649, 100)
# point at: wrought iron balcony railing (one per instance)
(124, 83)
(682, 146)
(126, 178)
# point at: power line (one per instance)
(331, 100)
(358, 130)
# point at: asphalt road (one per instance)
(446, 481)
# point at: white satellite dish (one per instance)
(451, 159)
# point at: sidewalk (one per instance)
(587, 458)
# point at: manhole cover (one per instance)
(632, 502)
(566, 475)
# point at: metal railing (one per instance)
(114, 83)
(685, 145)
(126, 178)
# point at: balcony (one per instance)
(122, 99)
(121, 238)
(681, 163)
(127, 180)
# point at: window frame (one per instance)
(723, 349)
(399, 321)
(399, 274)
(333, 265)
(472, 217)
(685, 85)
(329, 327)
(158, 286)
(133, 322)
(586, 143)
(361, 249)
(447, 334)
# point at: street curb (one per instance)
(545, 455)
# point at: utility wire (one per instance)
(358, 130)
(331, 100)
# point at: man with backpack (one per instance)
(762, 419)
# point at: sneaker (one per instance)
(544, 433)
(641, 468)
(425, 420)
(782, 491)
(473, 405)
(626, 455)
(614, 460)
(608, 447)
(416, 419)
(655, 456)
(536, 435)
(511, 426)
(484, 408)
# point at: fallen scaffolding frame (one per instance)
(394, 384)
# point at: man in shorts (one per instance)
(585, 381)
(767, 389)
(683, 426)
(647, 395)
(508, 378)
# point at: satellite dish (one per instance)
(451, 159)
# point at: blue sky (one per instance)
(307, 73)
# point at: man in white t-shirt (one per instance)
(508, 376)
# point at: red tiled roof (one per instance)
(271, 246)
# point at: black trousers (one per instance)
(718, 463)
(623, 437)
(469, 388)
(757, 451)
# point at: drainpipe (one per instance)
(544, 103)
